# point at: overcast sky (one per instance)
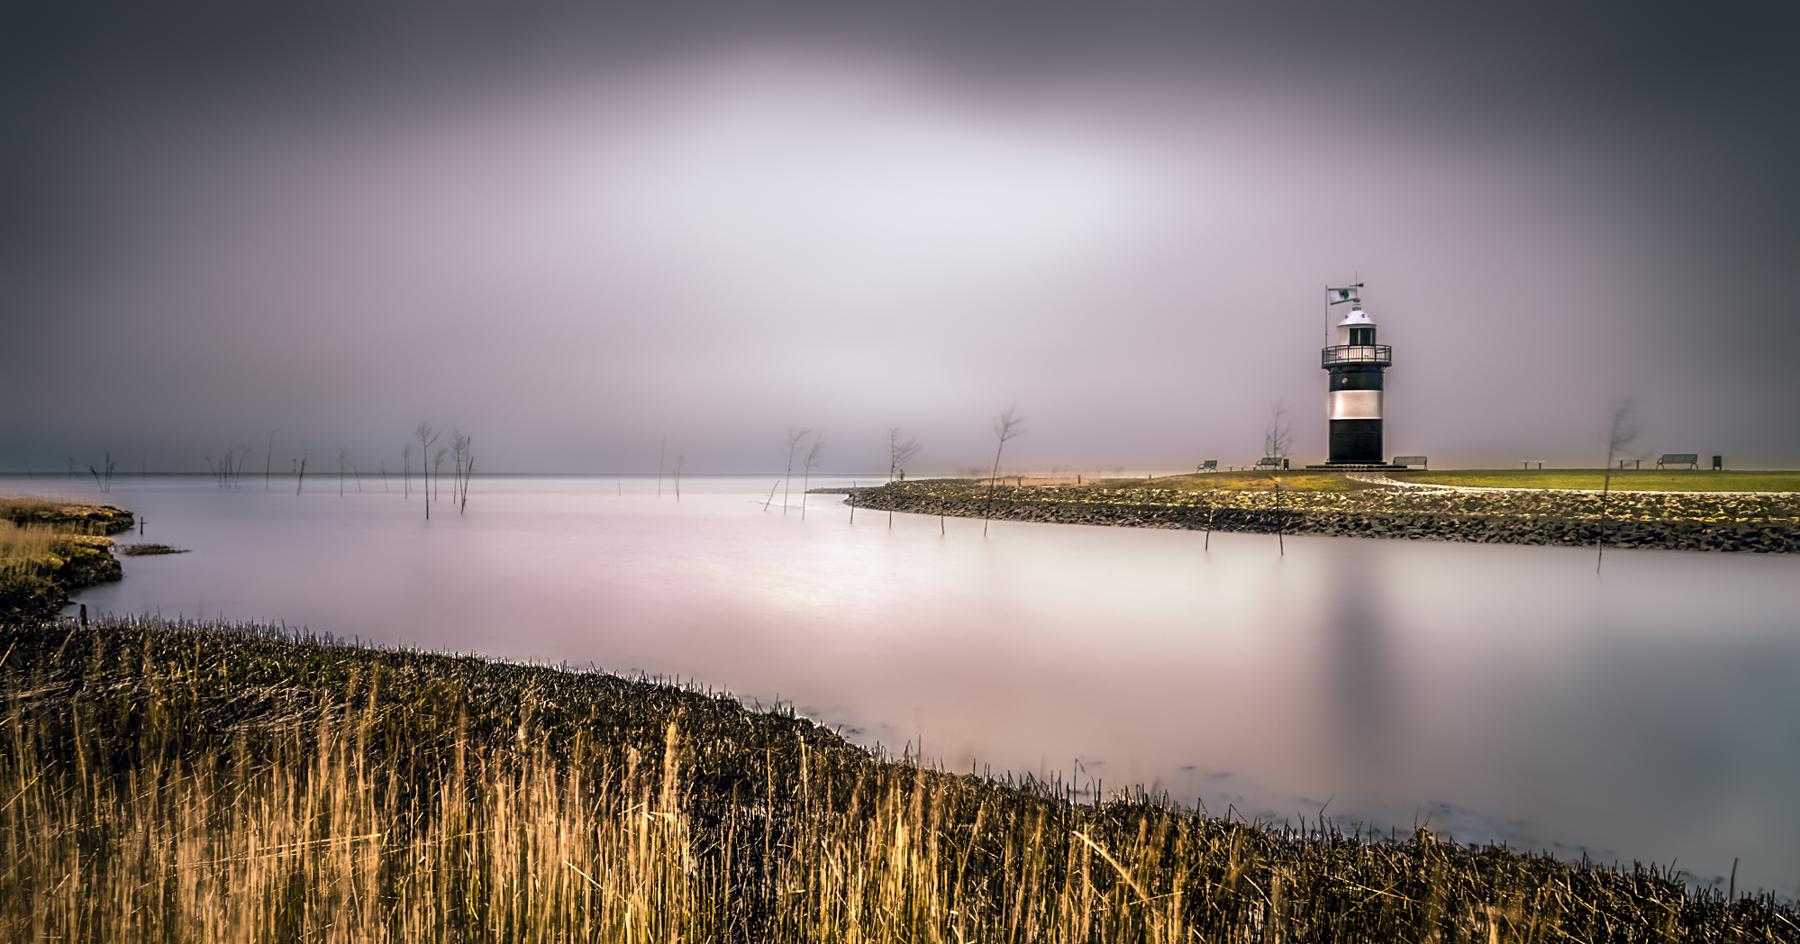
(575, 235)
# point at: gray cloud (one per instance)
(574, 233)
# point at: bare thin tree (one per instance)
(900, 451)
(406, 471)
(680, 460)
(463, 460)
(459, 453)
(1007, 425)
(269, 457)
(231, 467)
(469, 473)
(794, 440)
(812, 459)
(300, 468)
(1624, 429)
(1278, 437)
(426, 436)
(103, 480)
(437, 474)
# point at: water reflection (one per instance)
(1651, 712)
(1362, 674)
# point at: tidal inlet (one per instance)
(933, 473)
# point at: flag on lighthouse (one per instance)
(1337, 296)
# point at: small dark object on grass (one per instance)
(140, 550)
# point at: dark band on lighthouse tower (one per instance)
(1356, 365)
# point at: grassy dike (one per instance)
(173, 782)
(1338, 505)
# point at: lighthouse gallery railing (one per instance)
(1381, 355)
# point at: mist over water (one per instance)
(1493, 692)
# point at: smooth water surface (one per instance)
(1649, 712)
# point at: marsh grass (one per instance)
(22, 546)
(175, 782)
(69, 517)
(149, 550)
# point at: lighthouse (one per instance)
(1356, 365)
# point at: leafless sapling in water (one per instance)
(1007, 425)
(437, 474)
(680, 460)
(426, 436)
(406, 471)
(1624, 429)
(812, 459)
(470, 466)
(794, 440)
(463, 450)
(230, 467)
(300, 469)
(900, 451)
(269, 457)
(1278, 438)
(103, 481)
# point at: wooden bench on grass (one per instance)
(1688, 459)
(1210, 465)
(1412, 460)
(1271, 462)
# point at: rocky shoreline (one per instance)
(1671, 521)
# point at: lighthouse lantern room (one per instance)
(1356, 364)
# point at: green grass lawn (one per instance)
(1647, 480)
(1294, 480)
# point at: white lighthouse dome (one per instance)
(1355, 317)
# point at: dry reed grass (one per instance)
(181, 783)
(70, 517)
(22, 545)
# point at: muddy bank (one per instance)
(1672, 521)
(52, 550)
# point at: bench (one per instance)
(1210, 465)
(1412, 460)
(1689, 459)
(1271, 462)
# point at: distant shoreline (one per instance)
(1329, 505)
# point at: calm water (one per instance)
(1651, 712)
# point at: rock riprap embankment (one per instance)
(1670, 520)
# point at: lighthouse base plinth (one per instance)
(1358, 467)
